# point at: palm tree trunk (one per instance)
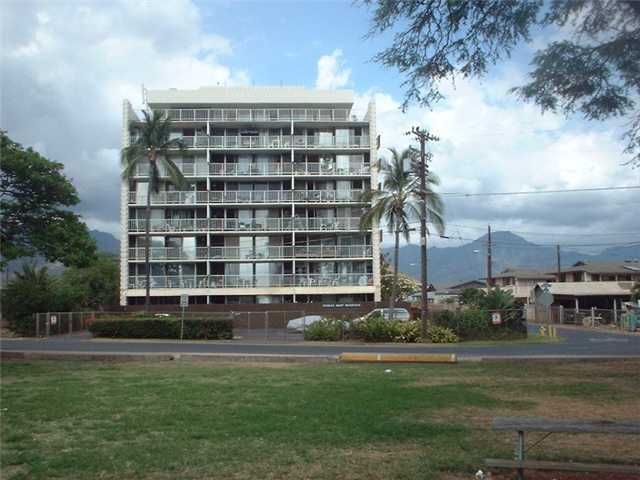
(147, 242)
(396, 261)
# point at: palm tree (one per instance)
(153, 145)
(398, 203)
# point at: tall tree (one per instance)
(397, 204)
(153, 145)
(34, 197)
(593, 70)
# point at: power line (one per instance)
(538, 192)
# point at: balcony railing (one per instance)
(275, 142)
(249, 170)
(330, 169)
(187, 169)
(170, 198)
(259, 115)
(254, 281)
(243, 225)
(259, 253)
(258, 169)
(248, 197)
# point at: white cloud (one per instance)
(491, 142)
(332, 72)
(67, 66)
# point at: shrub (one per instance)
(407, 332)
(475, 324)
(375, 329)
(327, 330)
(163, 327)
(379, 329)
(442, 335)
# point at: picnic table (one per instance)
(524, 425)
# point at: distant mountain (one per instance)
(467, 262)
(106, 242)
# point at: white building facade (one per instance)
(271, 209)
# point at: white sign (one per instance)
(496, 319)
(53, 319)
(184, 300)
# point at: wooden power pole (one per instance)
(489, 267)
(558, 263)
(423, 137)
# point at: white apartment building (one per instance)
(271, 209)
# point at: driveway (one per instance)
(576, 343)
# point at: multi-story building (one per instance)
(271, 210)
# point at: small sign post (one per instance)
(496, 318)
(184, 303)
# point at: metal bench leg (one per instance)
(520, 453)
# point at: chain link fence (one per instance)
(591, 317)
(266, 325)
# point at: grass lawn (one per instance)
(180, 420)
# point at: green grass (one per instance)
(201, 420)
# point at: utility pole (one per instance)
(423, 136)
(489, 272)
(558, 262)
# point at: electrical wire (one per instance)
(538, 192)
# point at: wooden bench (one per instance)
(548, 426)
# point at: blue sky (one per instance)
(68, 65)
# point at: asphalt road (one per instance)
(576, 343)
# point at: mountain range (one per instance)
(447, 265)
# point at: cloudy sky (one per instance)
(67, 66)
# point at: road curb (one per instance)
(164, 357)
(544, 358)
(351, 357)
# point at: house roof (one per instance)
(611, 267)
(588, 289)
(527, 273)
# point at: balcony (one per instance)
(241, 281)
(260, 253)
(160, 225)
(276, 142)
(187, 169)
(249, 170)
(199, 170)
(259, 115)
(170, 198)
(246, 197)
(330, 169)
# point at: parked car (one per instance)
(388, 314)
(299, 324)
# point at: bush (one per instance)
(475, 324)
(442, 335)
(326, 330)
(375, 329)
(379, 329)
(407, 332)
(163, 327)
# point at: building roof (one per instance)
(526, 273)
(611, 267)
(251, 95)
(458, 287)
(589, 289)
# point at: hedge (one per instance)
(163, 327)
(475, 324)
